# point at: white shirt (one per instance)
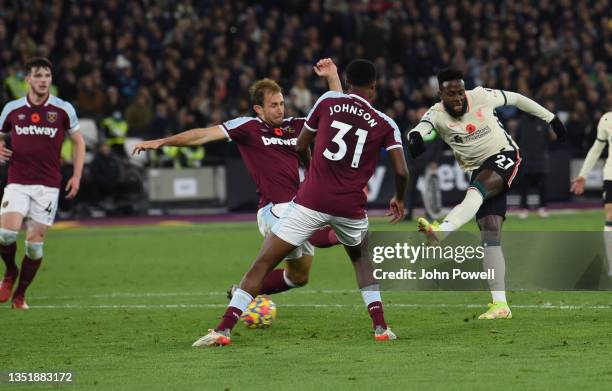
(478, 134)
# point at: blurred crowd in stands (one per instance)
(151, 68)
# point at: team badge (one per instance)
(458, 139)
(480, 115)
(289, 129)
(35, 117)
(51, 116)
(470, 128)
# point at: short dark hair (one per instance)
(448, 74)
(361, 73)
(37, 62)
(259, 89)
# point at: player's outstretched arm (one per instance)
(303, 146)
(594, 153)
(532, 107)
(197, 136)
(327, 69)
(396, 205)
(597, 148)
(78, 160)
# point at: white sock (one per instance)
(494, 259)
(288, 281)
(447, 226)
(463, 212)
(370, 294)
(608, 241)
(241, 300)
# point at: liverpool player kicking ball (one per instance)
(349, 135)
(466, 121)
(36, 125)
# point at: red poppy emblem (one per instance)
(35, 118)
(278, 132)
(470, 128)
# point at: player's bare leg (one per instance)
(294, 275)
(297, 271)
(487, 184)
(271, 254)
(32, 259)
(490, 228)
(370, 290)
(10, 224)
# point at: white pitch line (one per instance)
(173, 294)
(396, 305)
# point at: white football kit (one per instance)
(478, 134)
(604, 136)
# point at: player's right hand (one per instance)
(396, 209)
(5, 153)
(577, 185)
(325, 68)
(146, 145)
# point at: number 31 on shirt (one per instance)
(338, 139)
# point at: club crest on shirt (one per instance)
(51, 116)
(289, 129)
(480, 115)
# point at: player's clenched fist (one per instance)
(146, 145)
(325, 67)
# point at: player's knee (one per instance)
(296, 279)
(299, 280)
(34, 250)
(7, 237)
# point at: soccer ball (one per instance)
(260, 313)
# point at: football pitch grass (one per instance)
(121, 306)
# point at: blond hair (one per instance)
(259, 89)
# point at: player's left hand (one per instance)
(559, 129)
(72, 187)
(325, 68)
(397, 210)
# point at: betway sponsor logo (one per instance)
(33, 129)
(278, 141)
